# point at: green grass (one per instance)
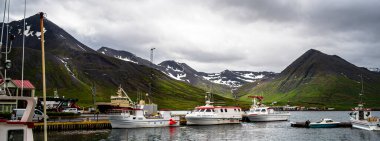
(322, 91)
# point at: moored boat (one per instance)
(18, 129)
(258, 112)
(211, 115)
(142, 115)
(135, 118)
(324, 123)
(362, 118)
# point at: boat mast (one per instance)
(361, 92)
(43, 72)
(151, 74)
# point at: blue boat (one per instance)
(324, 123)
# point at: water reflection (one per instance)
(244, 131)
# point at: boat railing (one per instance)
(280, 112)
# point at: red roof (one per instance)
(27, 84)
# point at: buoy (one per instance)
(172, 122)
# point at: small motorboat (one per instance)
(324, 123)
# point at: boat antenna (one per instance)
(2, 25)
(6, 44)
(1, 40)
(23, 52)
(43, 72)
(362, 91)
(151, 74)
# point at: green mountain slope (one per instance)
(319, 80)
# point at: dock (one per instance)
(79, 125)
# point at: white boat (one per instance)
(18, 129)
(257, 112)
(143, 115)
(324, 123)
(209, 114)
(362, 118)
(136, 119)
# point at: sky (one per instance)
(214, 35)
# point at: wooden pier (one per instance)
(80, 125)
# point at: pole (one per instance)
(151, 72)
(43, 72)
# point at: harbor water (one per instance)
(245, 131)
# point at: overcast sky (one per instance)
(214, 35)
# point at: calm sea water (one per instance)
(245, 131)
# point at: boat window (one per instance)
(134, 117)
(257, 110)
(225, 110)
(208, 110)
(221, 110)
(213, 110)
(235, 110)
(140, 118)
(15, 135)
(239, 110)
(263, 110)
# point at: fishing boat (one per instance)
(210, 114)
(20, 130)
(259, 112)
(324, 123)
(119, 101)
(142, 115)
(361, 117)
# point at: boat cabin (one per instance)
(218, 109)
(360, 113)
(261, 110)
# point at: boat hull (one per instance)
(323, 125)
(365, 125)
(120, 122)
(269, 117)
(211, 121)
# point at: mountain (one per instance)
(238, 78)
(125, 56)
(219, 83)
(320, 80)
(374, 70)
(72, 68)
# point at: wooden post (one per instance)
(43, 72)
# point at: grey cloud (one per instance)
(349, 29)
(254, 10)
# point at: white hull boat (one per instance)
(262, 113)
(365, 125)
(138, 120)
(210, 121)
(18, 129)
(362, 118)
(121, 122)
(269, 117)
(212, 115)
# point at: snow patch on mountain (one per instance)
(67, 67)
(173, 69)
(124, 59)
(178, 76)
(81, 47)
